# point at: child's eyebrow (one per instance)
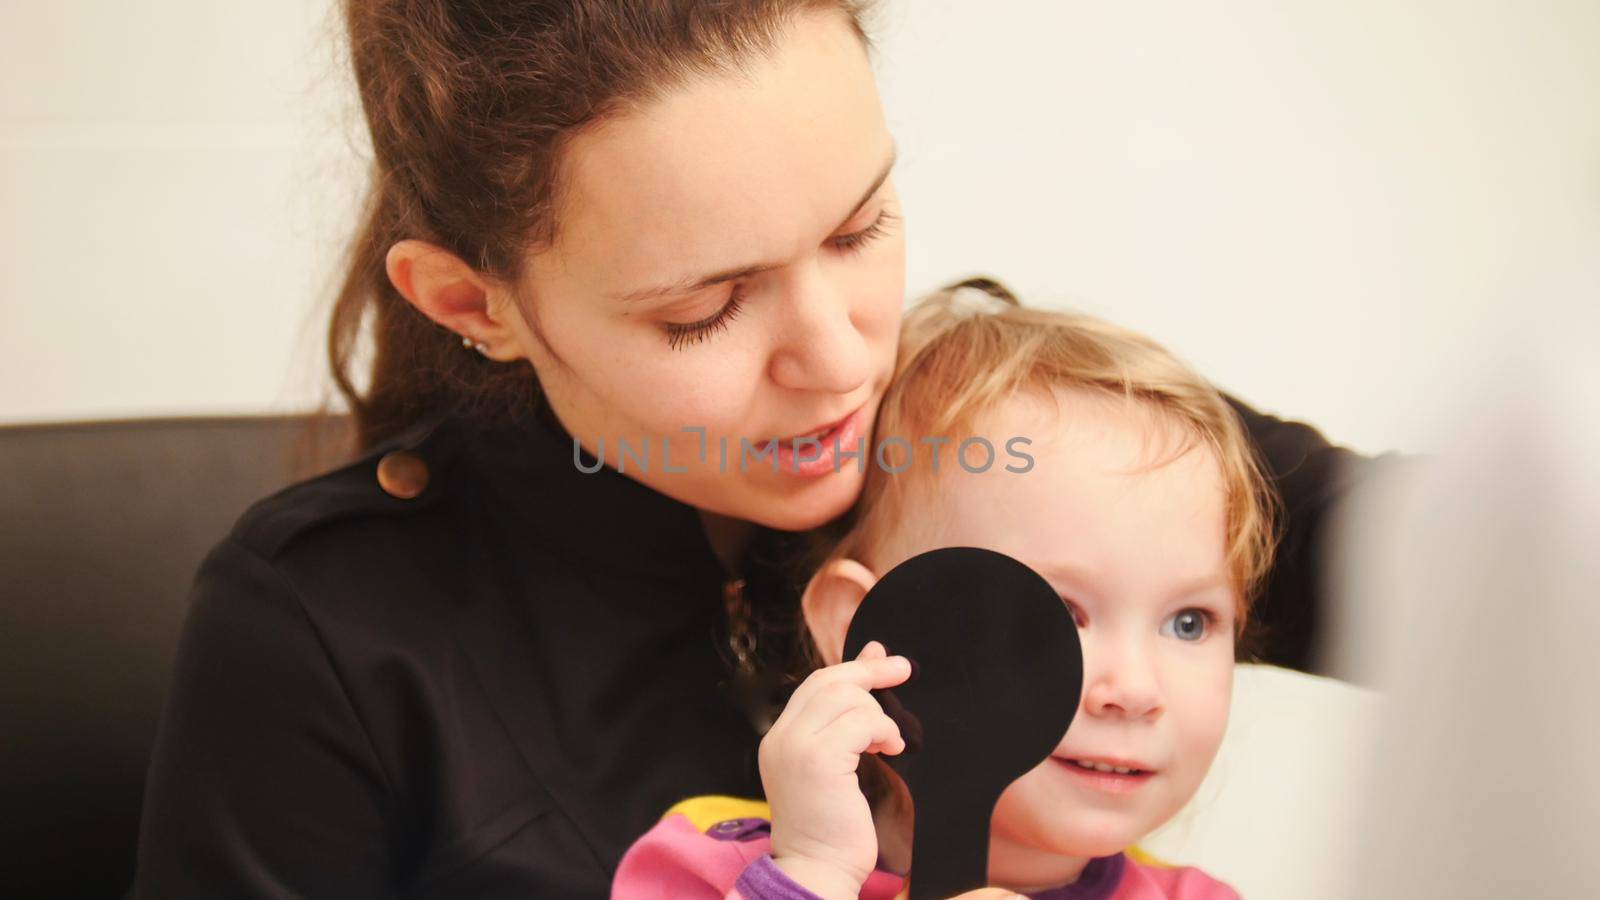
(1201, 584)
(1060, 574)
(1064, 573)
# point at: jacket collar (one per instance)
(601, 515)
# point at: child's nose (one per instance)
(1124, 685)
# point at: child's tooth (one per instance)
(1121, 770)
(1102, 767)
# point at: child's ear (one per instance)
(830, 602)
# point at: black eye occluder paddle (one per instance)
(998, 674)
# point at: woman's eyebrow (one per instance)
(691, 284)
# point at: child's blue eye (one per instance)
(1187, 625)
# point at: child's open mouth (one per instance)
(1112, 777)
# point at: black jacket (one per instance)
(493, 687)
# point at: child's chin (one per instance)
(1097, 847)
(1074, 833)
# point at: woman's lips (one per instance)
(842, 435)
(1110, 782)
(818, 432)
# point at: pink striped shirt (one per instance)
(717, 847)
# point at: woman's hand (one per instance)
(822, 831)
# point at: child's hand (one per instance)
(822, 833)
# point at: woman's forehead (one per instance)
(728, 169)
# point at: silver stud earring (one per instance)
(479, 346)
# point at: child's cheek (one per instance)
(1203, 709)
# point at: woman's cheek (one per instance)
(885, 306)
(716, 391)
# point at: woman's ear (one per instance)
(448, 291)
(830, 602)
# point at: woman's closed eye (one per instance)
(683, 334)
(854, 241)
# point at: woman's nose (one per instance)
(1121, 682)
(820, 347)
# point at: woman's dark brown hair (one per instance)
(469, 104)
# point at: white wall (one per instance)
(175, 188)
(1314, 202)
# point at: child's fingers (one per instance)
(872, 670)
(893, 746)
(829, 703)
(867, 674)
(862, 730)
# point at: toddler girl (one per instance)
(1140, 501)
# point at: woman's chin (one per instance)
(777, 500)
(811, 503)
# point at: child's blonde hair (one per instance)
(967, 348)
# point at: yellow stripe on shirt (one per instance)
(708, 810)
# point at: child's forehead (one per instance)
(1084, 426)
(1109, 479)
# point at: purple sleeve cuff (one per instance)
(763, 880)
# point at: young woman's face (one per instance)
(1138, 554)
(730, 268)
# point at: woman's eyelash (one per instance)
(856, 240)
(689, 333)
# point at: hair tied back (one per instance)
(980, 296)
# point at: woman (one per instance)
(463, 665)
